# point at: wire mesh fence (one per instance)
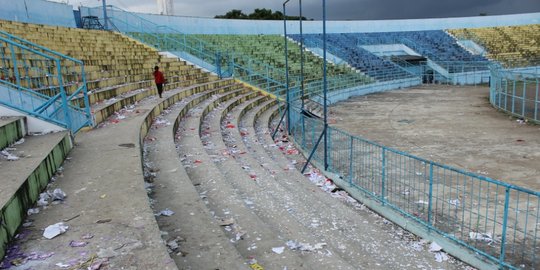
(495, 219)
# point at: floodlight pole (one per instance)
(105, 18)
(288, 107)
(301, 57)
(325, 88)
(325, 128)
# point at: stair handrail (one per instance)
(59, 101)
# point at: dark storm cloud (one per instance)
(338, 9)
(411, 9)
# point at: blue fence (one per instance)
(516, 92)
(43, 83)
(495, 219)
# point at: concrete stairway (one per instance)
(27, 162)
(262, 202)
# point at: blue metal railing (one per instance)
(516, 92)
(492, 218)
(43, 83)
(212, 58)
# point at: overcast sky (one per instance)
(336, 9)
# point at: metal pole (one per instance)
(286, 68)
(105, 18)
(325, 88)
(301, 57)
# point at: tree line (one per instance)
(258, 14)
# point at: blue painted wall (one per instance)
(37, 11)
(195, 25)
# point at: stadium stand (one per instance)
(233, 196)
(357, 57)
(513, 46)
(115, 66)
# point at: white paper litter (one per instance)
(486, 237)
(303, 246)
(441, 256)
(9, 156)
(43, 199)
(54, 230)
(167, 212)
(57, 195)
(434, 247)
(62, 265)
(278, 250)
(32, 211)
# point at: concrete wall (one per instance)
(195, 25)
(37, 11)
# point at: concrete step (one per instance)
(376, 249)
(106, 206)
(266, 187)
(103, 110)
(39, 157)
(203, 244)
(251, 235)
(12, 129)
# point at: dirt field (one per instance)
(452, 125)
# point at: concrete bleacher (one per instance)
(119, 73)
(357, 57)
(269, 49)
(512, 46)
(207, 155)
(114, 64)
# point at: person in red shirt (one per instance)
(159, 79)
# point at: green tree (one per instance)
(233, 14)
(258, 14)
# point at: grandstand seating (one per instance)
(238, 195)
(114, 64)
(434, 45)
(513, 46)
(269, 49)
(357, 57)
(258, 58)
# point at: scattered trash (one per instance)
(173, 245)
(78, 244)
(62, 265)
(87, 236)
(434, 247)
(127, 145)
(229, 125)
(101, 221)
(486, 237)
(43, 199)
(167, 212)
(226, 222)
(32, 211)
(7, 155)
(107, 253)
(303, 246)
(58, 195)
(54, 230)
(455, 202)
(254, 264)
(422, 202)
(440, 256)
(278, 250)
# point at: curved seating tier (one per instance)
(513, 46)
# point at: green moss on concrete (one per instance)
(11, 132)
(13, 213)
